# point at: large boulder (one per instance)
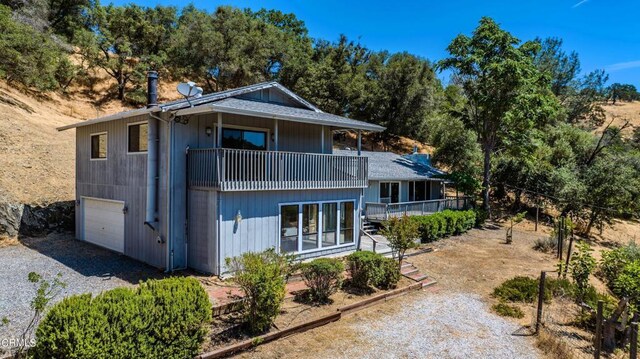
(10, 218)
(40, 220)
(28, 220)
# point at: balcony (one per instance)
(376, 212)
(249, 170)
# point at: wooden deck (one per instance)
(378, 212)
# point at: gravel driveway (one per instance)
(420, 325)
(84, 267)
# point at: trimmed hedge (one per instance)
(323, 276)
(444, 224)
(369, 269)
(160, 319)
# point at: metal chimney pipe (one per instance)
(152, 88)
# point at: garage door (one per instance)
(103, 223)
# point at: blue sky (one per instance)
(605, 36)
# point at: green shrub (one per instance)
(587, 319)
(364, 269)
(389, 274)
(614, 261)
(369, 269)
(507, 310)
(481, 217)
(627, 284)
(518, 289)
(560, 287)
(323, 276)
(160, 319)
(261, 276)
(445, 223)
(581, 265)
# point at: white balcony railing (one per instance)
(384, 211)
(249, 170)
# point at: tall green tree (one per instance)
(506, 94)
(126, 41)
(563, 68)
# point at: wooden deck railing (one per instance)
(248, 170)
(383, 211)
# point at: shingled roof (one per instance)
(229, 102)
(389, 166)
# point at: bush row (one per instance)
(445, 223)
(159, 319)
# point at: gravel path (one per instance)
(420, 325)
(442, 325)
(84, 267)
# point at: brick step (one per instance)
(428, 282)
(409, 271)
(418, 277)
(406, 264)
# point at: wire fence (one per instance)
(573, 325)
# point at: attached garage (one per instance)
(103, 223)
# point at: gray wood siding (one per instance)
(372, 193)
(120, 177)
(202, 231)
(259, 228)
(292, 136)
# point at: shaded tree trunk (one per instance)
(486, 178)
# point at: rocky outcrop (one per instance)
(10, 218)
(19, 219)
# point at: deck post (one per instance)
(321, 139)
(359, 142)
(275, 135)
(219, 134)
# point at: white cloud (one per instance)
(579, 3)
(623, 66)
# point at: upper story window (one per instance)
(244, 139)
(137, 137)
(99, 146)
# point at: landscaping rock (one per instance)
(10, 218)
(34, 221)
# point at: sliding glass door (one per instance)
(313, 226)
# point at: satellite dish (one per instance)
(189, 90)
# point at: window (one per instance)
(99, 146)
(329, 224)
(138, 137)
(311, 226)
(389, 192)
(289, 228)
(244, 139)
(419, 191)
(346, 222)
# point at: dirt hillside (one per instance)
(37, 161)
(620, 113)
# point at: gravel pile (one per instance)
(84, 267)
(439, 325)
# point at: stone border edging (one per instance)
(301, 328)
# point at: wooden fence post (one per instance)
(543, 276)
(597, 344)
(633, 352)
(566, 266)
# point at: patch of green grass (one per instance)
(508, 310)
(517, 289)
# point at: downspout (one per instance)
(151, 218)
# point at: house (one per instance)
(191, 182)
(404, 184)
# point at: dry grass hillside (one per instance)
(37, 161)
(621, 112)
